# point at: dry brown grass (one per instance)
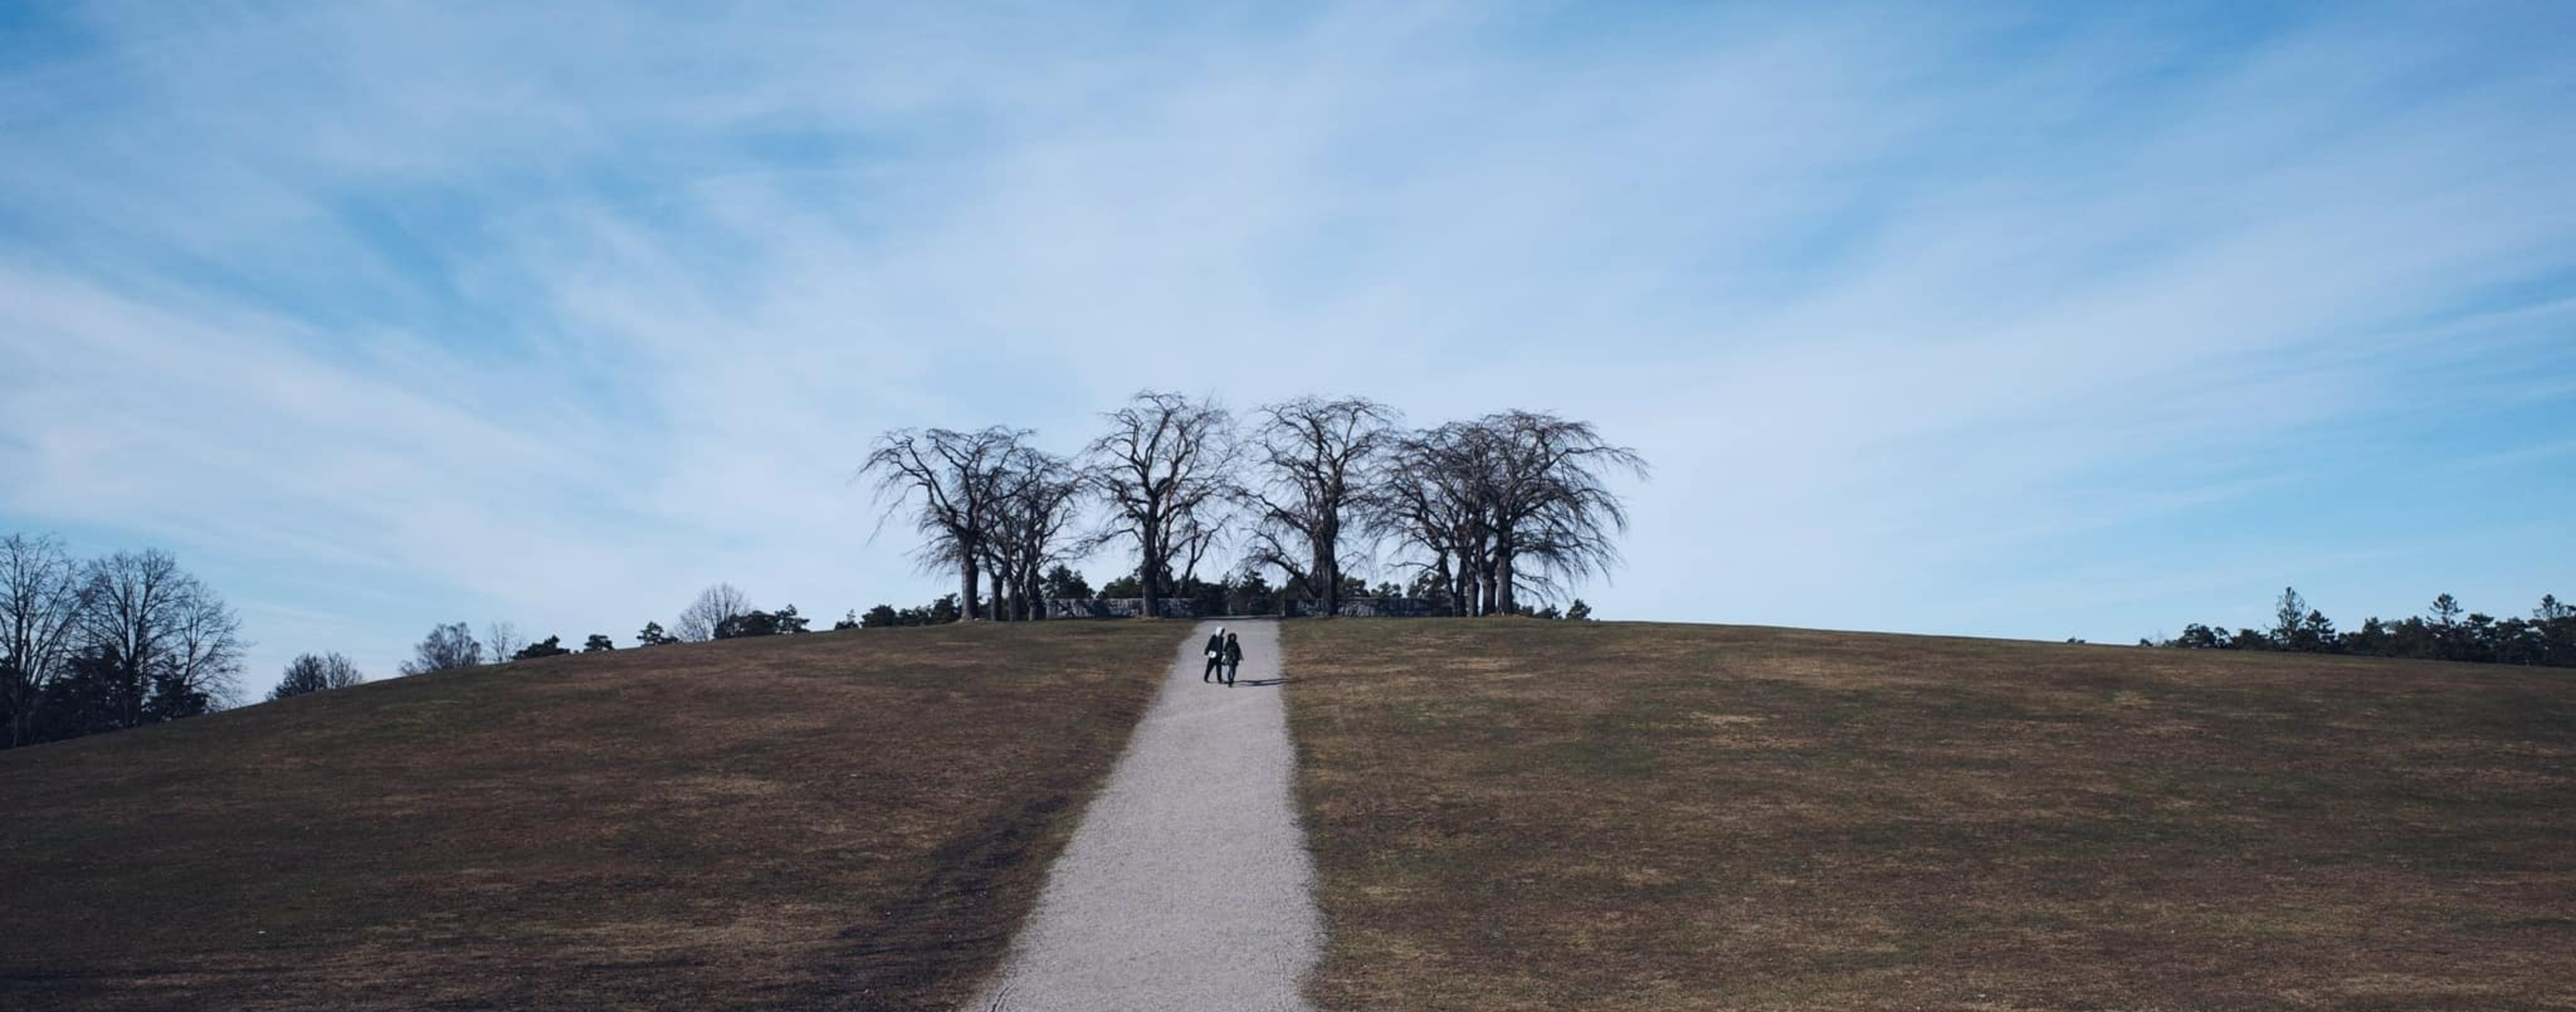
(1528, 815)
(851, 820)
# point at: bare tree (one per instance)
(1036, 502)
(314, 673)
(1194, 539)
(502, 641)
(1162, 468)
(951, 480)
(1318, 460)
(1549, 502)
(714, 607)
(446, 648)
(176, 645)
(1433, 497)
(1516, 501)
(41, 595)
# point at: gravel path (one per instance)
(1187, 885)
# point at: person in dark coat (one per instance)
(1233, 659)
(1215, 656)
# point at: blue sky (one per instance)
(2035, 320)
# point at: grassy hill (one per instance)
(1506, 814)
(1524, 815)
(842, 820)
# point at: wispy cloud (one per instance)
(402, 312)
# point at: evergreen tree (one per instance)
(2556, 631)
(2446, 628)
(2518, 642)
(2286, 614)
(2475, 640)
(2317, 633)
(752, 623)
(86, 698)
(551, 646)
(1063, 583)
(1250, 595)
(1431, 586)
(598, 643)
(2413, 638)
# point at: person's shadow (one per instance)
(1281, 680)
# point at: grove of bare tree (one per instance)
(1489, 512)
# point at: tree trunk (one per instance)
(1000, 612)
(1465, 588)
(1145, 570)
(1447, 586)
(966, 601)
(131, 690)
(1503, 583)
(1328, 568)
(1486, 597)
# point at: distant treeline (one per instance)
(1245, 594)
(723, 612)
(2450, 633)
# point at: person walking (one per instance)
(1215, 655)
(1233, 659)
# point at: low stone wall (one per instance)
(1361, 607)
(1117, 607)
(1131, 607)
